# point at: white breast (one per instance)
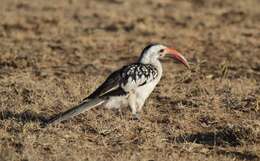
(143, 92)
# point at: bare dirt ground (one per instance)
(54, 53)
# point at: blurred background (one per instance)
(54, 53)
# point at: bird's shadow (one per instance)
(239, 155)
(209, 138)
(221, 138)
(23, 117)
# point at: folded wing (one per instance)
(124, 80)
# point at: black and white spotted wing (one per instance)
(126, 79)
(136, 75)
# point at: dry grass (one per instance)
(54, 53)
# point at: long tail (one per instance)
(82, 107)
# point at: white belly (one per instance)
(116, 102)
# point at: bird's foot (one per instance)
(118, 112)
(136, 116)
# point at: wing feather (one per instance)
(124, 80)
(111, 83)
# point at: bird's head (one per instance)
(154, 52)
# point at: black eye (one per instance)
(161, 50)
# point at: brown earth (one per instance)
(54, 53)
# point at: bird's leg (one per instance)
(136, 116)
(140, 105)
(132, 104)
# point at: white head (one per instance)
(154, 52)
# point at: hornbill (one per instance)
(130, 86)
